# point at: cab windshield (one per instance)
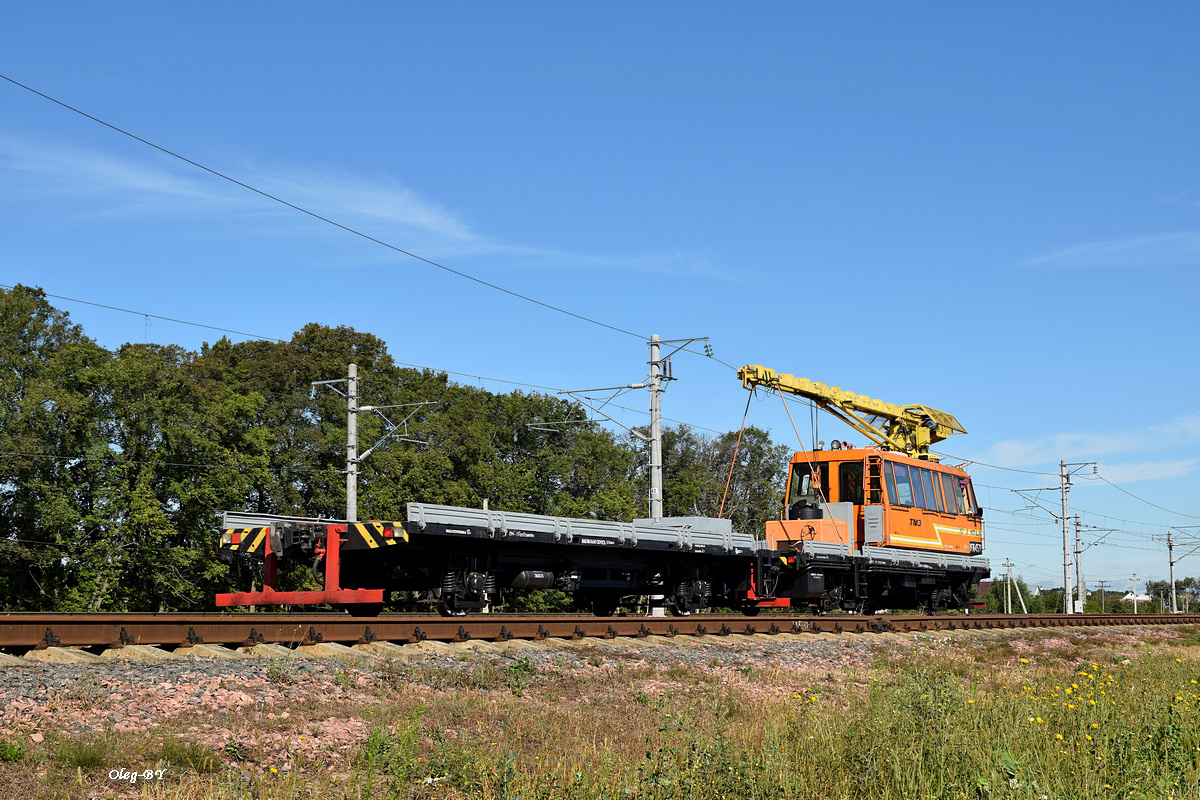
(808, 481)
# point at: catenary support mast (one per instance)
(352, 445)
(656, 496)
(1068, 600)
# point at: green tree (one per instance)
(696, 470)
(48, 416)
(757, 480)
(174, 450)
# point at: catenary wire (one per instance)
(326, 220)
(152, 316)
(1143, 500)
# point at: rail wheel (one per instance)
(448, 609)
(679, 607)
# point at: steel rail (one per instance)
(21, 632)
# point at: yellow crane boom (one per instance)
(905, 429)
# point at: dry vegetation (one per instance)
(997, 715)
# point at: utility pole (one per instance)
(352, 445)
(1135, 593)
(1064, 485)
(1171, 560)
(656, 496)
(1102, 590)
(660, 372)
(1079, 569)
(352, 410)
(351, 396)
(1007, 586)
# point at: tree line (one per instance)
(118, 464)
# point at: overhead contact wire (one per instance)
(317, 216)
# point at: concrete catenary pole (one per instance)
(352, 445)
(1080, 587)
(1171, 561)
(656, 495)
(1007, 586)
(1066, 530)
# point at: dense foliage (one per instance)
(117, 465)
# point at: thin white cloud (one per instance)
(1071, 446)
(383, 209)
(1122, 474)
(1049, 450)
(1187, 425)
(77, 172)
(1180, 249)
(340, 196)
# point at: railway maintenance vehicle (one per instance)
(886, 526)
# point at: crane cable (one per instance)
(729, 480)
(808, 457)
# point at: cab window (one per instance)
(850, 488)
(803, 483)
(918, 492)
(898, 484)
(933, 492)
(950, 489)
(968, 493)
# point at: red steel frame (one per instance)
(333, 592)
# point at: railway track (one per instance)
(21, 633)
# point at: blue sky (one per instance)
(992, 209)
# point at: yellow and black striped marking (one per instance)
(245, 540)
(374, 535)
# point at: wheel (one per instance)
(679, 608)
(751, 611)
(446, 610)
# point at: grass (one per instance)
(1030, 715)
(11, 751)
(189, 755)
(85, 753)
(282, 671)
